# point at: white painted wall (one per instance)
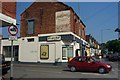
(59, 51)
(75, 46)
(28, 51)
(55, 52)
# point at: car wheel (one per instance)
(101, 70)
(73, 69)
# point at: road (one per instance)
(51, 71)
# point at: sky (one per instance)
(100, 18)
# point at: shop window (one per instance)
(64, 54)
(67, 52)
(30, 40)
(31, 26)
(70, 52)
(7, 51)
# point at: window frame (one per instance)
(30, 40)
(33, 27)
(67, 50)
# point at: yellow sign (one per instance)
(44, 52)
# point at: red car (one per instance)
(114, 57)
(85, 63)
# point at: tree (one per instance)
(113, 45)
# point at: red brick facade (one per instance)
(9, 9)
(48, 19)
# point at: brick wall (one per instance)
(48, 18)
(9, 9)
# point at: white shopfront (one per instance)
(44, 48)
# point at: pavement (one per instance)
(62, 65)
(44, 65)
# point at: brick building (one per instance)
(46, 19)
(7, 13)
(94, 45)
(52, 31)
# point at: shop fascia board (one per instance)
(65, 33)
(54, 34)
(7, 19)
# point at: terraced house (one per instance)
(50, 32)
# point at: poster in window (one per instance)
(44, 52)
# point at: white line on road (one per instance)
(93, 74)
(44, 71)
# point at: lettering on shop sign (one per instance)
(53, 38)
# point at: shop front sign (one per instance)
(54, 38)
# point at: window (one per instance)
(31, 40)
(7, 51)
(31, 26)
(80, 59)
(67, 52)
(70, 51)
(64, 54)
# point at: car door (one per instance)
(92, 66)
(80, 63)
(85, 64)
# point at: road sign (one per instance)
(13, 30)
(14, 38)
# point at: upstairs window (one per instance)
(30, 40)
(31, 26)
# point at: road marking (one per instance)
(44, 71)
(93, 74)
